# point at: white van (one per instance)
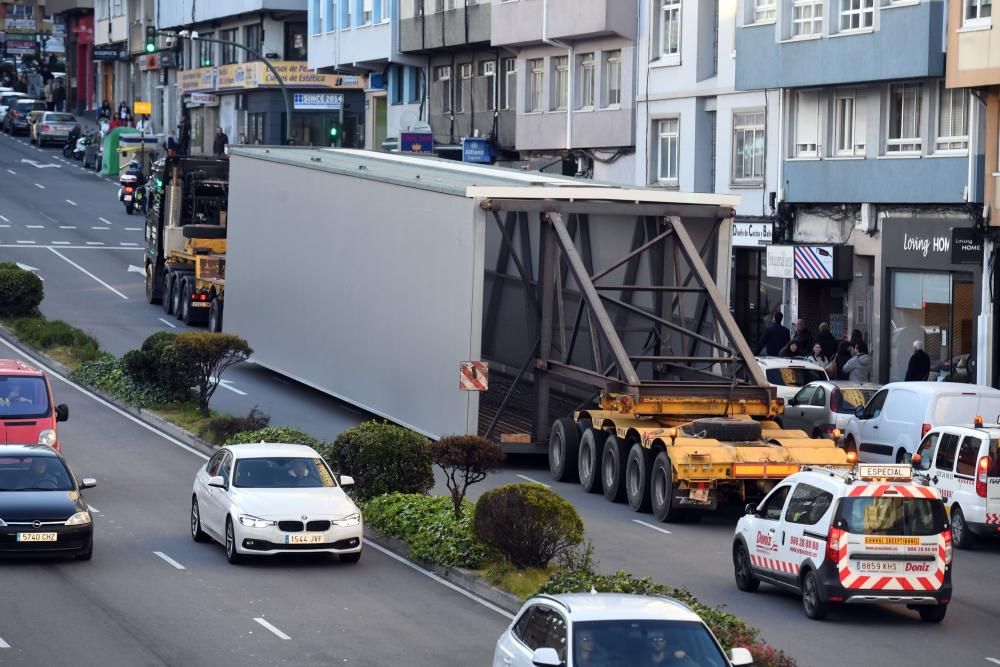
(896, 419)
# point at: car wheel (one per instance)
(961, 536)
(812, 602)
(588, 461)
(613, 469)
(743, 568)
(86, 553)
(661, 489)
(564, 448)
(349, 558)
(901, 456)
(232, 555)
(197, 534)
(637, 469)
(932, 614)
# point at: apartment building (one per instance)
(880, 174)
(695, 132)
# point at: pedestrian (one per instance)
(47, 94)
(220, 143)
(59, 95)
(827, 340)
(170, 144)
(183, 136)
(919, 367)
(843, 356)
(792, 351)
(243, 139)
(802, 337)
(144, 125)
(857, 337)
(818, 357)
(859, 367)
(124, 116)
(21, 85)
(105, 110)
(775, 337)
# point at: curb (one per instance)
(462, 578)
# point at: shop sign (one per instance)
(106, 53)
(142, 108)
(20, 25)
(167, 59)
(813, 262)
(243, 76)
(204, 99)
(477, 149)
(20, 47)
(780, 261)
(966, 245)
(752, 234)
(149, 62)
(416, 142)
(924, 243)
(319, 101)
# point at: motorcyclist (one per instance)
(135, 178)
(71, 138)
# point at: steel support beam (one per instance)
(590, 207)
(546, 283)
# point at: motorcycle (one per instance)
(70, 148)
(132, 192)
(80, 147)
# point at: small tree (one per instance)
(209, 356)
(465, 460)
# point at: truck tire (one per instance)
(187, 312)
(204, 232)
(168, 293)
(613, 469)
(152, 281)
(215, 316)
(637, 469)
(589, 460)
(564, 448)
(176, 287)
(661, 489)
(725, 429)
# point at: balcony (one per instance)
(452, 28)
(520, 23)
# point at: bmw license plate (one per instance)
(36, 537)
(304, 539)
(887, 566)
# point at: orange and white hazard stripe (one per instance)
(906, 582)
(774, 564)
(902, 490)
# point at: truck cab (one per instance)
(28, 413)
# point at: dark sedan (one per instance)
(16, 120)
(41, 507)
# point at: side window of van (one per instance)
(946, 452)
(968, 454)
(808, 504)
(926, 451)
(899, 405)
(874, 407)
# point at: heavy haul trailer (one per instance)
(185, 262)
(597, 308)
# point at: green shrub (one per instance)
(383, 458)
(45, 334)
(21, 292)
(159, 363)
(107, 374)
(428, 525)
(219, 429)
(283, 434)
(208, 355)
(527, 523)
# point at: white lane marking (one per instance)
(649, 525)
(105, 221)
(133, 229)
(100, 228)
(60, 243)
(168, 323)
(535, 481)
(993, 660)
(114, 408)
(26, 242)
(86, 272)
(276, 631)
(95, 242)
(25, 267)
(4, 218)
(93, 509)
(443, 582)
(12, 171)
(35, 226)
(4, 644)
(40, 186)
(132, 244)
(226, 384)
(169, 560)
(67, 226)
(4, 226)
(71, 202)
(132, 268)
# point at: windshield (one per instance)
(645, 643)
(5, 100)
(23, 397)
(891, 516)
(60, 118)
(794, 377)
(34, 473)
(853, 398)
(282, 472)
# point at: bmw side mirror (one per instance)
(88, 483)
(545, 657)
(740, 656)
(751, 509)
(218, 482)
(859, 412)
(346, 480)
(62, 412)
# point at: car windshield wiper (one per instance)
(40, 488)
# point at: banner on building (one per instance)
(204, 100)
(477, 150)
(813, 262)
(318, 101)
(416, 142)
(780, 261)
(244, 76)
(752, 234)
(966, 245)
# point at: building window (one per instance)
(465, 73)
(366, 12)
(296, 43)
(613, 78)
(229, 51)
(668, 133)
(488, 70)
(536, 85)
(585, 76)
(442, 75)
(807, 18)
(856, 14)
(205, 52)
(329, 15)
(255, 128)
(252, 39)
(904, 118)
(560, 78)
(117, 9)
(748, 148)
(953, 119)
(396, 84)
(764, 10)
(977, 11)
(849, 124)
(415, 83)
(806, 123)
(509, 94)
(315, 16)
(670, 27)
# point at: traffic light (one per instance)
(336, 133)
(150, 39)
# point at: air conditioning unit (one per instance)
(867, 223)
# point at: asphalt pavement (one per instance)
(92, 287)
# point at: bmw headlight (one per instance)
(79, 519)
(47, 437)
(251, 521)
(349, 520)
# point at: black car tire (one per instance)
(86, 553)
(197, 534)
(350, 558)
(564, 448)
(233, 556)
(638, 467)
(613, 469)
(746, 580)
(814, 605)
(932, 614)
(589, 459)
(961, 536)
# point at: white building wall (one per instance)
(174, 13)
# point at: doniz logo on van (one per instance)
(918, 567)
(765, 542)
(892, 540)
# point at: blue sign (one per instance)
(477, 149)
(416, 142)
(376, 81)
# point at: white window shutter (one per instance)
(807, 120)
(860, 121)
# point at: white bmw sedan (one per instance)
(274, 498)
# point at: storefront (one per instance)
(820, 279)
(931, 295)
(754, 296)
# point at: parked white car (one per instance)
(963, 463)
(789, 375)
(274, 498)
(894, 421)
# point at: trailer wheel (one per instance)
(637, 476)
(613, 469)
(661, 489)
(168, 293)
(589, 463)
(564, 447)
(176, 289)
(151, 282)
(215, 316)
(187, 312)
(725, 429)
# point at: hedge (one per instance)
(21, 292)
(46, 335)
(107, 373)
(383, 458)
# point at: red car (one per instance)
(28, 414)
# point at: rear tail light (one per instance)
(833, 540)
(981, 476)
(923, 430)
(128, 188)
(46, 128)
(947, 546)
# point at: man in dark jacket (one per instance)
(220, 143)
(920, 364)
(802, 337)
(775, 337)
(826, 340)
